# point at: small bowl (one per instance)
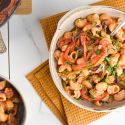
(21, 115)
(66, 24)
(7, 8)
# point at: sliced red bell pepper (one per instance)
(95, 59)
(84, 96)
(83, 42)
(66, 53)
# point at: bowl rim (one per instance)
(20, 93)
(53, 42)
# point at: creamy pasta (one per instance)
(90, 62)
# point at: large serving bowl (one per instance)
(66, 24)
(21, 113)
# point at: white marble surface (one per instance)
(28, 49)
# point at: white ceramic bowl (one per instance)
(66, 24)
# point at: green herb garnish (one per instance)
(98, 52)
(92, 96)
(102, 68)
(107, 59)
(116, 42)
(99, 79)
(67, 62)
(80, 98)
(109, 68)
(114, 73)
(65, 71)
(106, 78)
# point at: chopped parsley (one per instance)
(114, 73)
(98, 52)
(80, 98)
(99, 79)
(102, 68)
(109, 68)
(106, 77)
(116, 42)
(65, 71)
(107, 59)
(92, 96)
(67, 62)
